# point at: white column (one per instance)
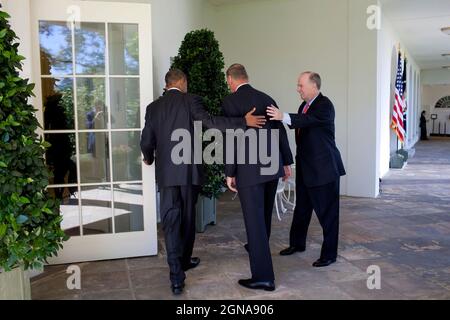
(363, 112)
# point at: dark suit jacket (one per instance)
(177, 110)
(317, 155)
(237, 105)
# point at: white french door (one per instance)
(93, 73)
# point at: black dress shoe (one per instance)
(177, 288)
(291, 250)
(246, 247)
(323, 263)
(192, 264)
(263, 285)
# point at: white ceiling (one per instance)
(418, 23)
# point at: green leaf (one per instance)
(47, 210)
(24, 200)
(21, 219)
(3, 165)
(3, 33)
(4, 15)
(3, 228)
(16, 173)
(38, 231)
(46, 144)
(11, 92)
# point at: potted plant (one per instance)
(29, 219)
(201, 60)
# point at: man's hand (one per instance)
(274, 113)
(287, 172)
(231, 183)
(254, 121)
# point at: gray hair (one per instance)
(314, 78)
(237, 71)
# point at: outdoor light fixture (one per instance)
(446, 30)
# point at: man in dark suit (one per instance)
(318, 168)
(255, 186)
(179, 184)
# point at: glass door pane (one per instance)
(90, 44)
(123, 49)
(55, 39)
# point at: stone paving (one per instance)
(406, 232)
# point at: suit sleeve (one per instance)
(321, 115)
(285, 149)
(148, 140)
(230, 168)
(212, 122)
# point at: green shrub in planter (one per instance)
(201, 60)
(30, 229)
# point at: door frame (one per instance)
(118, 245)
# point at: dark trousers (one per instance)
(324, 200)
(177, 209)
(257, 205)
(423, 133)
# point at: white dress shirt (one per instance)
(287, 118)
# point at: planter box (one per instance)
(397, 161)
(15, 285)
(206, 213)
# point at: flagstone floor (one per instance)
(406, 232)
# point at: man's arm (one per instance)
(323, 114)
(230, 168)
(285, 149)
(222, 123)
(148, 140)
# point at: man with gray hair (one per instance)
(256, 186)
(318, 168)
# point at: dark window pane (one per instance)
(60, 158)
(57, 97)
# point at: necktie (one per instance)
(305, 110)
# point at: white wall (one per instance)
(436, 76)
(19, 10)
(430, 96)
(171, 20)
(388, 41)
(435, 85)
(276, 40)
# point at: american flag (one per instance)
(399, 103)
